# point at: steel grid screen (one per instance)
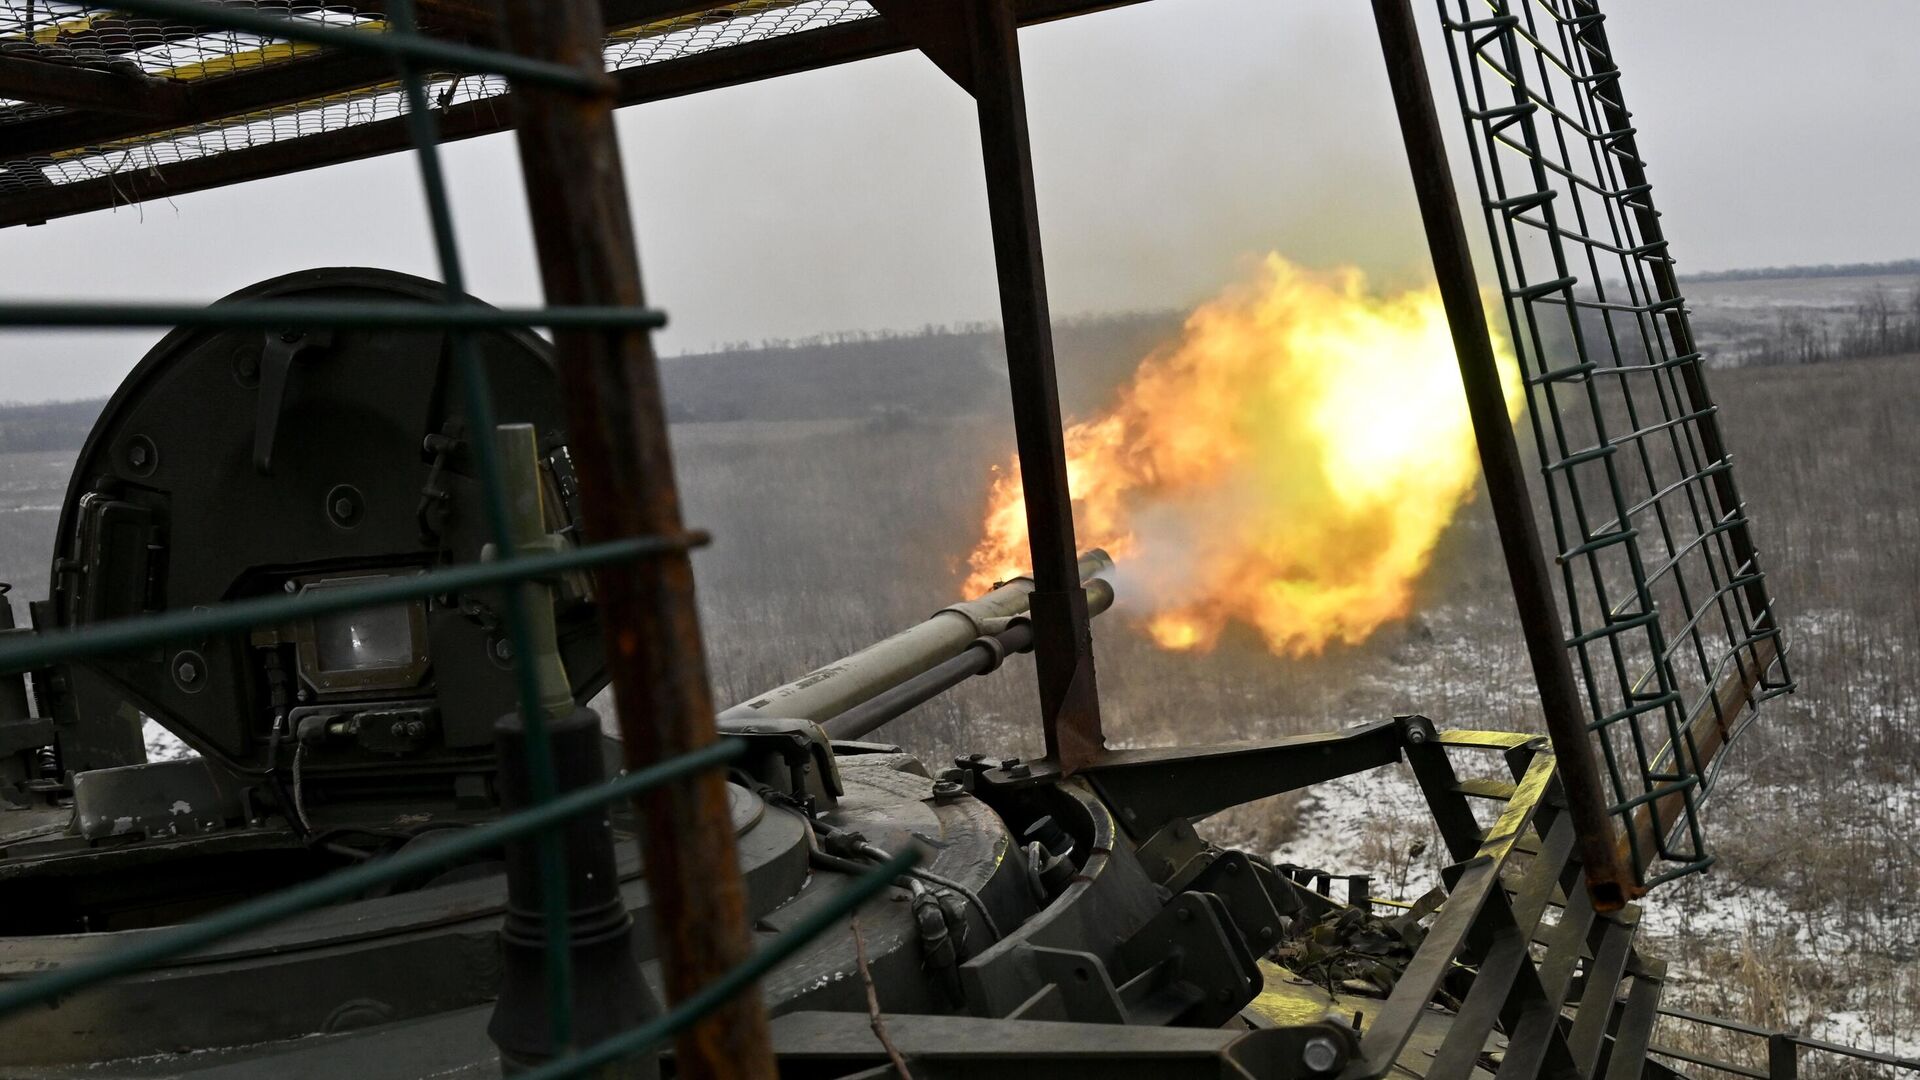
(1665, 608)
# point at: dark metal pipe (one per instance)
(1063, 645)
(617, 431)
(609, 995)
(1608, 878)
(981, 657)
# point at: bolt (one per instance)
(343, 507)
(1008, 763)
(137, 453)
(399, 729)
(944, 790)
(1320, 1054)
(289, 336)
(502, 650)
(1266, 932)
(187, 672)
(1184, 915)
(1018, 770)
(1416, 735)
(416, 728)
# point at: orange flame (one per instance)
(1289, 464)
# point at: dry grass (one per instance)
(830, 534)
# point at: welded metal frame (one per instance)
(1608, 877)
(1669, 618)
(561, 104)
(338, 73)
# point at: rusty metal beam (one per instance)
(1063, 643)
(790, 54)
(938, 29)
(1610, 881)
(617, 431)
(129, 92)
(1708, 732)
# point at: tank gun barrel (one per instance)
(829, 691)
(982, 655)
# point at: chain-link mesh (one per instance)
(99, 38)
(1667, 612)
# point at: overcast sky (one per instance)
(1172, 140)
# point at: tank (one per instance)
(1056, 925)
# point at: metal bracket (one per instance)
(282, 348)
(1150, 788)
(1188, 966)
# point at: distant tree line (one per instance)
(1902, 266)
(49, 425)
(1880, 323)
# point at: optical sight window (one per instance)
(381, 648)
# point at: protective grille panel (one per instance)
(1666, 610)
(98, 38)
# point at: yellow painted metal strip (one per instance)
(1519, 813)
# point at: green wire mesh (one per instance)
(1666, 610)
(414, 57)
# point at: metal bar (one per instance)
(1607, 875)
(1783, 1057)
(281, 82)
(1530, 1040)
(1433, 770)
(1875, 1056)
(1507, 985)
(731, 985)
(1604, 973)
(25, 651)
(980, 658)
(1769, 1034)
(1631, 1036)
(617, 430)
(342, 315)
(1150, 787)
(78, 87)
(399, 47)
(1396, 1018)
(1711, 1063)
(1063, 643)
(734, 65)
(342, 884)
